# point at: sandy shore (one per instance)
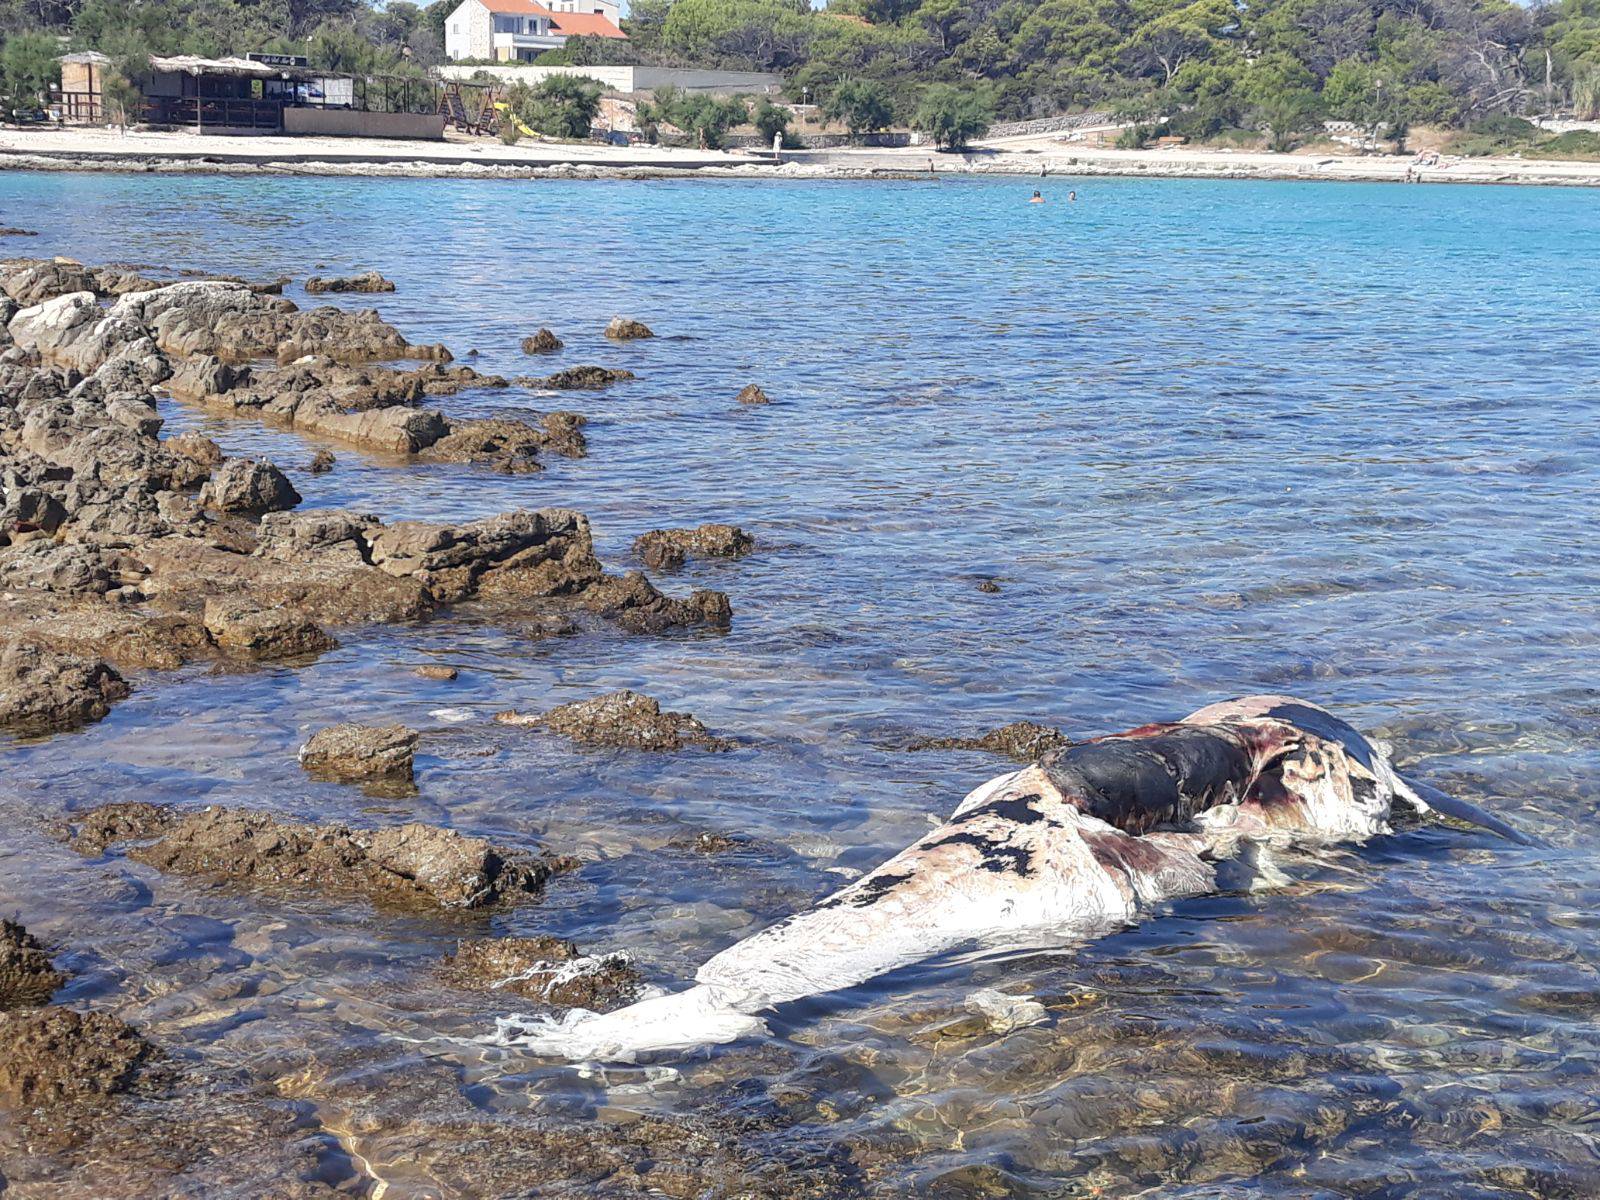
(457, 156)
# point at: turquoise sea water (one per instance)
(1210, 437)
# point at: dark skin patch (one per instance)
(998, 857)
(1327, 727)
(1139, 783)
(1018, 810)
(870, 892)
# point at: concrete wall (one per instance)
(339, 122)
(637, 79)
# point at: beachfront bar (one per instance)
(260, 94)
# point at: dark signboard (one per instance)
(279, 60)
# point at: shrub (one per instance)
(862, 105)
(951, 115)
(771, 120)
(563, 106)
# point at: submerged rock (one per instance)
(545, 968)
(1025, 741)
(367, 281)
(440, 673)
(626, 329)
(351, 751)
(27, 976)
(989, 587)
(246, 485)
(42, 689)
(661, 548)
(408, 864)
(586, 378)
(636, 604)
(752, 394)
(543, 342)
(322, 462)
(623, 719)
(53, 1056)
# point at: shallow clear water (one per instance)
(1211, 438)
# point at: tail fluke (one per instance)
(1428, 798)
(700, 1016)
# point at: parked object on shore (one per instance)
(663, 548)
(366, 282)
(626, 329)
(1084, 841)
(543, 342)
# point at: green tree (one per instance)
(771, 121)
(861, 105)
(29, 64)
(563, 106)
(952, 116)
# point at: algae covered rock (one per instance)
(367, 281)
(43, 690)
(661, 548)
(543, 342)
(623, 719)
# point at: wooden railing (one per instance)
(205, 110)
(76, 106)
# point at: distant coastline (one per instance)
(183, 153)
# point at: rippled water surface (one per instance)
(1211, 438)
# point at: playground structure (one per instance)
(479, 109)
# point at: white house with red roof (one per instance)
(521, 30)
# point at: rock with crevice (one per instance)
(411, 864)
(623, 719)
(367, 281)
(663, 548)
(45, 690)
(1024, 741)
(349, 751)
(549, 970)
(626, 329)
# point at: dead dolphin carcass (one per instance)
(1080, 843)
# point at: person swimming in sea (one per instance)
(1037, 198)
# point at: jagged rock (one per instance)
(205, 375)
(510, 447)
(54, 1056)
(989, 587)
(525, 554)
(349, 751)
(661, 548)
(625, 329)
(322, 462)
(635, 603)
(623, 719)
(548, 969)
(68, 568)
(48, 280)
(243, 627)
(410, 864)
(587, 378)
(564, 434)
(246, 485)
(331, 536)
(367, 281)
(197, 448)
(751, 394)
(27, 976)
(43, 689)
(1025, 741)
(543, 342)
